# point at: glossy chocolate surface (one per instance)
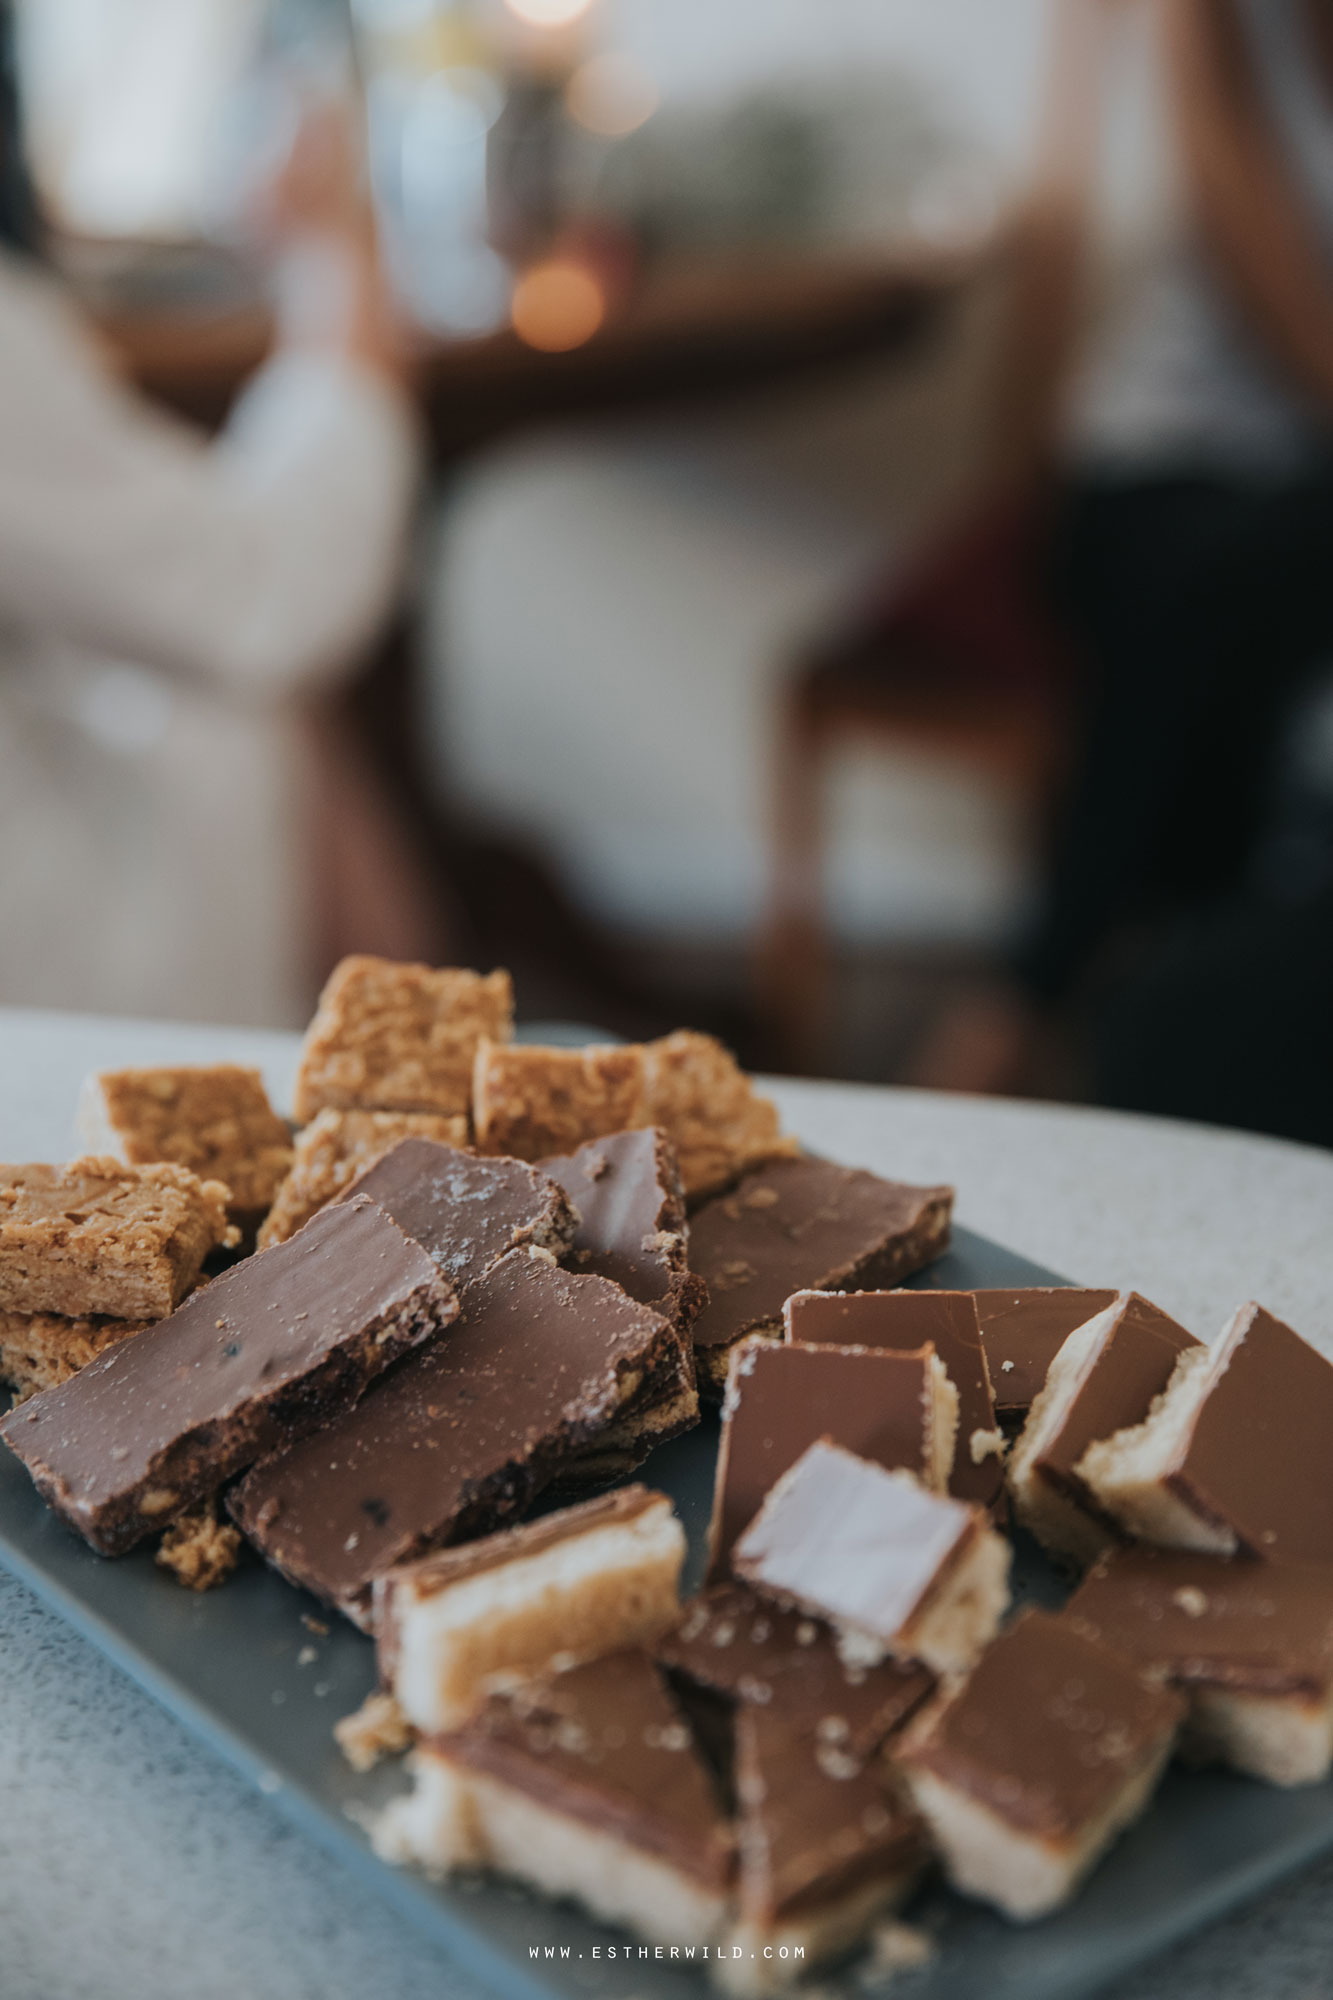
(457, 1439)
(274, 1346)
(1048, 1728)
(736, 1643)
(860, 1545)
(1258, 1628)
(1260, 1451)
(465, 1210)
(631, 1212)
(816, 1822)
(908, 1320)
(606, 1745)
(1134, 1361)
(781, 1398)
(1022, 1332)
(807, 1224)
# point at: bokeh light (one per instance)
(611, 95)
(548, 13)
(557, 305)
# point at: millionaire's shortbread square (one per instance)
(1235, 1452)
(896, 1569)
(98, 1237)
(213, 1118)
(897, 1409)
(586, 1784)
(391, 1037)
(570, 1586)
(1027, 1772)
(1249, 1645)
(1022, 1331)
(1104, 1377)
(335, 1147)
(946, 1321)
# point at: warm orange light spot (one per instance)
(557, 306)
(548, 13)
(610, 95)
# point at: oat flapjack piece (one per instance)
(534, 1102)
(946, 1321)
(1026, 1774)
(587, 1784)
(826, 1844)
(901, 1410)
(391, 1037)
(337, 1146)
(213, 1118)
(39, 1350)
(466, 1211)
(718, 1123)
(1226, 1456)
(1248, 1644)
(803, 1225)
(265, 1352)
(571, 1586)
(98, 1237)
(1104, 1378)
(459, 1438)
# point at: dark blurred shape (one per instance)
(20, 225)
(1228, 1022)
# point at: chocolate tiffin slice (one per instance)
(826, 1843)
(803, 1225)
(460, 1438)
(587, 1784)
(277, 1345)
(467, 1212)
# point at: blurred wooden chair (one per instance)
(960, 661)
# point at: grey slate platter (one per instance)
(260, 1673)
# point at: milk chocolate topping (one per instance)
(632, 1229)
(1047, 1729)
(1133, 1364)
(1021, 1333)
(1258, 1628)
(871, 1400)
(856, 1543)
(465, 1210)
(1260, 1450)
(807, 1224)
(816, 1823)
(737, 1643)
(458, 1438)
(908, 1320)
(606, 1745)
(275, 1346)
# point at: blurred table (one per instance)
(691, 328)
(134, 1866)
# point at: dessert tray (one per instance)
(260, 1672)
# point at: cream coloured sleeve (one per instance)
(259, 563)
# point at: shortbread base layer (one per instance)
(1281, 1739)
(1052, 1516)
(775, 1956)
(456, 1819)
(962, 1614)
(613, 1586)
(1018, 1872)
(1130, 1472)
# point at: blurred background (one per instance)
(808, 518)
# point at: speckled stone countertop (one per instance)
(134, 1866)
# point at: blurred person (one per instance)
(1193, 534)
(168, 608)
